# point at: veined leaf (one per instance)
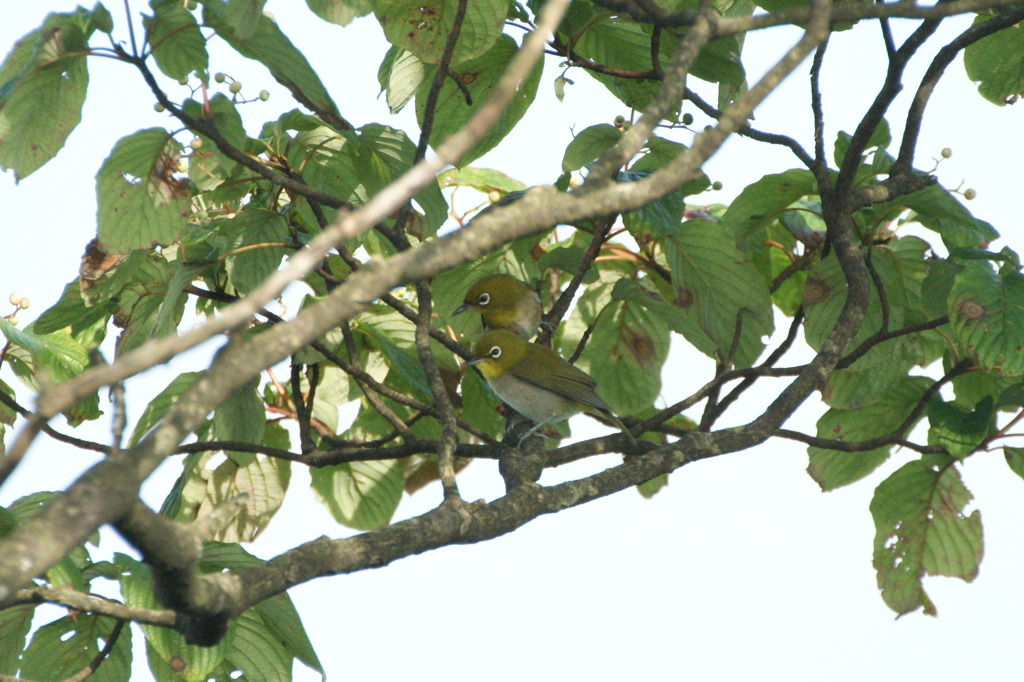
(422, 26)
(42, 88)
(922, 527)
(141, 203)
(832, 469)
(986, 313)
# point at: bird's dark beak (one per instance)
(474, 361)
(461, 309)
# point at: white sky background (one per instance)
(740, 569)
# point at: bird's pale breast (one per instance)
(531, 401)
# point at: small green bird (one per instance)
(536, 382)
(504, 303)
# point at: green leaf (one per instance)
(141, 204)
(986, 313)
(921, 527)
(173, 34)
(939, 211)
(408, 367)
(340, 12)
(832, 469)
(422, 26)
(400, 76)
(191, 663)
(56, 353)
(900, 268)
(626, 350)
(663, 215)
(478, 77)
(71, 312)
(760, 203)
(938, 283)
(223, 114)
(269, 46)
(589, 144)
(278, 612)
(263, 479)
(256, 651)
(481, 179)
(649, 489)
(391, 148)
(958, 430)
(479, 403)
(284, 623)
(1014, 459)
(880, 139)
(675, 317)
(718, 289)
(996, 63)
(163, 402)
(56, 357)
(66, 646)
(241, 418)
(255, 237)
(868, 380)
(594, 34)
(360, 495)
(208, 167)
(101, 19)
(244, 16)
(42, 88)
(15, 622)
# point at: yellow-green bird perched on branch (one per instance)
(536, 382)
(504, 303)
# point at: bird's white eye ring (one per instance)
(484, 299)
(495, 352)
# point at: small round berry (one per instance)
(182, 166)
(947, 152)
(235, 87)
(716, 185)
(183, 81)
(970, 194)
(196, 143)
(24, 303)
(159, 108)
(219, 77)
(13, 319)
(264, 95)
(15, 298)
(494, 196)
(687, 119)
(619, 120)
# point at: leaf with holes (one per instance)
(141, 203)
(422, 26)
(68, 645)
(42, 89)
(922, 528)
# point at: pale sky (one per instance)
(739, 569)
